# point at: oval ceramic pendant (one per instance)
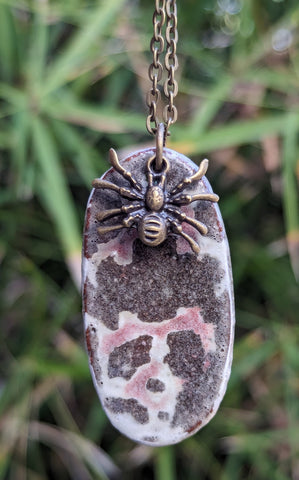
(159, 320)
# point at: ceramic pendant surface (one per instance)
(159, 320)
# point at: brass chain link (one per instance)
(165, 12)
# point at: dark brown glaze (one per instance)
(186, 355)
(150, 439)
(124, 360)
(155, 298)
(164, 416)
(130, 405)
(186, 359)
(155, 385)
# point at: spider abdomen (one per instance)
(152, 229)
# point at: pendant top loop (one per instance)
(160, 142)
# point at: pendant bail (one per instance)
(160, 143)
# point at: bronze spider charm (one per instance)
(153, 210)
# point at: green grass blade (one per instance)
(208, 109)
(38, 50)
(165, 464)
(13, 95)
(232, 135)
(100, 119)
(7, 43)
(249, 355)
(263, 44)
(276, 79)
(86, 160)
(290, 189)
(44, 367)
(98, 461)
(24, 172)
(98, 23)
(53, 191)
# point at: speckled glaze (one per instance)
(159, 321)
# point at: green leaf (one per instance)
(38, 49)
(231, 135)
(13, 95)
(210, 106)
(83, 156)
(53, 190)
(46, 367)
(7, 43)
(165, 464)
(279, 79)
(100, 119)
(290, 162)
(98, 23)
(290, 188)
(249, 355)
(24, 171)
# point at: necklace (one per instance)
(157, 285)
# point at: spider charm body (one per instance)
(154, 211)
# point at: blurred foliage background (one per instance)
(73, 83)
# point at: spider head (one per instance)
(155, 194)
(154, 198)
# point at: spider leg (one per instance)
(110, 228)
(124, 192)
(179, 230)
(203, 167)
(184, 199)
(201, 227)
(131, 219)
(126, 223)
(118, 211)
(115, 163)
(150, 178)
(162, 179)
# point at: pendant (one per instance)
(157, 296)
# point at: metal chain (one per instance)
(165, 10)
(170, 113)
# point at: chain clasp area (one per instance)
(160, 143)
